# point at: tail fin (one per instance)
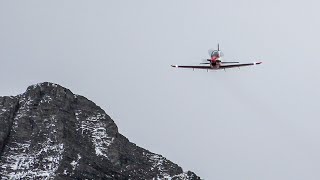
(218, 47)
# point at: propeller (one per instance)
(210, 51)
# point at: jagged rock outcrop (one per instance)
(50, 133)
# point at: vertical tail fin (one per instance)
(218, 47)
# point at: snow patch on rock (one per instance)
(94, 126)
(21, 162)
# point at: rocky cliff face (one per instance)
(50, 133)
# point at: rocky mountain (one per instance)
(50, 133)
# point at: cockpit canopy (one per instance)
(215, 53)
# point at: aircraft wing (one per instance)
(238, 65)
(220, 67)
(192, 67)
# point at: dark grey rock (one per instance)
(50, 133)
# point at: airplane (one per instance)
(216, 63)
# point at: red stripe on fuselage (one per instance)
(214, 58)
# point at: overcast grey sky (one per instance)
(251, 123)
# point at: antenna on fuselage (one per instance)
(218, 47)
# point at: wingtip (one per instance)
(258, 63)
(175, 66)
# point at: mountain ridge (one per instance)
(49, 132)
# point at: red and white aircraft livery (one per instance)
(216, 63)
